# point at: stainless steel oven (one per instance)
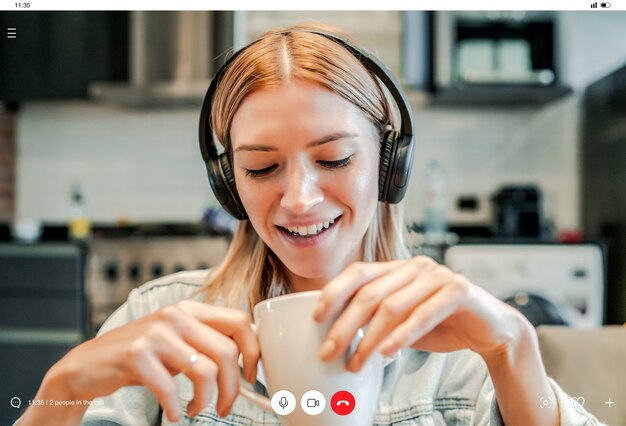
(118, 264)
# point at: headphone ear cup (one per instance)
(222, 181)
(229, 182)
(387, 154)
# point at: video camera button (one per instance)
(313, 402)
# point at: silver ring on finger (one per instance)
(193, 358)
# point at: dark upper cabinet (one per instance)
(56, 55)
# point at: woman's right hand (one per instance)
(152, 349)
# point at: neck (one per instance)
(299, 283)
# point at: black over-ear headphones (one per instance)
(396, 153)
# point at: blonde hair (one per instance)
(250, 271)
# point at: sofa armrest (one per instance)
(590, 364)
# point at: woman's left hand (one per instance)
(414, 303)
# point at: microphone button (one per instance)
(283, 402)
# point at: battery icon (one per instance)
(605, 5)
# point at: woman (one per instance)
(301, 121)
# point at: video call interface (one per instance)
(518, 184)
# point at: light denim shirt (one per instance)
(419, 388)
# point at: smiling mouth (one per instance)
(311, 230)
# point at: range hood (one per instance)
(171, 58)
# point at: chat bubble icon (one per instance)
(16, 402)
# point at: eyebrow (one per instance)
(321, 141)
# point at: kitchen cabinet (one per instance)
(56, 55)
(43, 314)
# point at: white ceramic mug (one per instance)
(290, 342)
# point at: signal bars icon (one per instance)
(594, 5)
(11, 32)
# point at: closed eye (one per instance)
(328, 164)
(260, 172)
(336, 164)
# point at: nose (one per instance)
(301, 190)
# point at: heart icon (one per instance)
(579, 399)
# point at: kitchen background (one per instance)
(128, 161)
(91, 115)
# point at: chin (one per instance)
(311, 269)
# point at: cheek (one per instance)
(255, 200)
(247, 189)
(363, 190)
(246, 193)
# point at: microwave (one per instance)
(483, 57)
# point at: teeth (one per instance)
(313, 229)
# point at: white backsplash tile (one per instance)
(482, 149)
(145, 165)
(135, 164)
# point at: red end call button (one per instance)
(342, 403)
